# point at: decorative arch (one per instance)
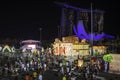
(6, 47)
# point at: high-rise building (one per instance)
(71, 15)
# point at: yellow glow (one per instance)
(80, 63)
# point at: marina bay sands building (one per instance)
(71, 15)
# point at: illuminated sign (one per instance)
(31, 46)
(77, 46)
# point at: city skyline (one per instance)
(23, 20)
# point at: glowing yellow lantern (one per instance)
(80, 62)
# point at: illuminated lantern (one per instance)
(107, 58)
(80, 62)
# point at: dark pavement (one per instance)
(52, 75)
(110, 76)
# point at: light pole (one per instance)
(91, 40)
(40, 34)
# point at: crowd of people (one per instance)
(33, 67)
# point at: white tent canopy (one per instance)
(31, 41)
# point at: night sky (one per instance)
(23, 19)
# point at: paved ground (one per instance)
(52, 75)
(110, 76)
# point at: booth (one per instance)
(32, 45)
(70, 46)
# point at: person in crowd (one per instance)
(40, 76)
(35, 75)
(64, 77)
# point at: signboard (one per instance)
(33, 46)
(80, 46)
(114, 65)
